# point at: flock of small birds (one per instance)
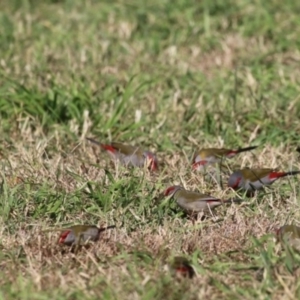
(247, 181)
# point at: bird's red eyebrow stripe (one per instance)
(170, 189)
(231, 152)
(109, 148)
(154, 165)
(236, 183)
(63, 236)
(199, 163)
(182, 269)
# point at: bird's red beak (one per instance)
(152, 163)
(63, 236)
(236, 184)
(198, 164)
(183, 271)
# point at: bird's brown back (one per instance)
(207, 152)
(255, 174)
(127, 149)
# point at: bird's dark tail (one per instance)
(94, 141)
(108, 227)
(232, 200)
(246, 149)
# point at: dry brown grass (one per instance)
(224, 238)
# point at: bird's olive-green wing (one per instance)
(208, 152)
(293, 230)
(178, 261)
(295, 243)
(290, 234)
(190, 196)
(82, 228)
(127, 149)
(255, 174)
(75, 228)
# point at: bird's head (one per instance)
(67, 237)
(170, 191)
(235, 179)
(152, 161)
(181, 267)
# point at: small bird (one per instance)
(129, 155)
(289, 235)
(208, 156)
(193, 202)
(251, 180)
(79, 234)
(180, 267)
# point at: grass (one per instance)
(172, 76)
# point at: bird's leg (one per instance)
(220, 181)
(211, 213)
(193, 216)
(215, 175)
(211, 175)
(289, 260)
(77, 244)
(250, 194)
(201, 216)
(220, 175)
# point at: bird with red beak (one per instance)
(79, 235)
(209, 156)
(180, 267)
(289, 235)
(193, 202)
(251, 180)
(129, 155)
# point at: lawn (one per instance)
(172, 76)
